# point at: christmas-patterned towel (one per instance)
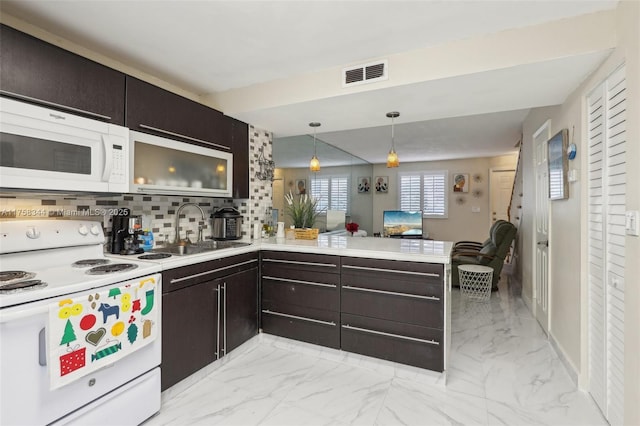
(89, 332)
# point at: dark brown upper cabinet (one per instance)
(240, 145)
(38, 72)
(151, 109)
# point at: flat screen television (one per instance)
(402, 224)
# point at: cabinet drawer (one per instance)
(324, 264)
(300, 323)
(424, 311)
(301, 293)
(364, 270)
(177, 278)
(290, 272)
(403, 343)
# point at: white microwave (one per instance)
(45, 149)
(165, 166)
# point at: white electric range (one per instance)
(47, 262)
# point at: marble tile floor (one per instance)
(503, 371)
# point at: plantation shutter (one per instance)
(332, 193)
(434, 195)
(320, 191)
(410, 197)
(339, 197)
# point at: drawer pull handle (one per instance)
(392, 293)
(366, 268)
(266, 311)
(289, 280)
(298, 262)
(202, 274)
(397, 336)
(55, 105)
(180, 135)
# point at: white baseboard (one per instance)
(567, 364)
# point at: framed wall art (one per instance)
(558, 166)
(382, 184)
(461, 182)
(364, 184)
(301, 186)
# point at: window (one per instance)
(424, 191)
(332, 192)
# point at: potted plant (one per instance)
(302, 209)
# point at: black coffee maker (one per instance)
(125, 233)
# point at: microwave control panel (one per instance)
(120, 164)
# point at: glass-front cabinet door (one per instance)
(164, 166)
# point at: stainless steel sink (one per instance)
(199, 247)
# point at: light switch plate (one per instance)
(573, 175)
(631, 225)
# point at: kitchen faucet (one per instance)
(178, 221)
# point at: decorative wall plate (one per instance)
(460, 200)
(477, 177)
(477, 193)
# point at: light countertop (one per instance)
(414, 250)
(429, 251)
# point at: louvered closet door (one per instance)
(607, 204)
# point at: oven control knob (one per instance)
(33, 233)
(95, 230)
(83, 230)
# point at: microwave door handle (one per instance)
(108, 157)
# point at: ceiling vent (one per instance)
(365, 73)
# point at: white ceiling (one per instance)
(210, 47)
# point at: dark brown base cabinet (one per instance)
(387, 309)
(208, 309)
(240, 308)
(393, 310)
(301, 297)
(189, 324)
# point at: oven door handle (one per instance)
(42, 348)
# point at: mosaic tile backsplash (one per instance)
(158, 211)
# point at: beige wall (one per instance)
(568, 222)
(461, 224)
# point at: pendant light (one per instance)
(392, 157)
(314, 164)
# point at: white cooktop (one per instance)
(48, 248)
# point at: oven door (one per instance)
(25, 395)
(50, 150)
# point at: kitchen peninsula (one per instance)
(381, 297)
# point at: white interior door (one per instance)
(541, 270)
(606, 134)
(500, 187)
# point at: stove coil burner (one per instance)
(111, 268)
(13, 276)
(22, 285)
(154, 256)
(85, 263)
